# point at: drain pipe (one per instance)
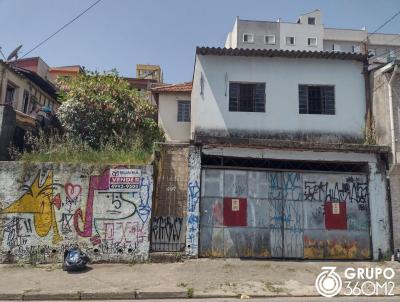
(392, 132)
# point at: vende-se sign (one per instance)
(127, 180)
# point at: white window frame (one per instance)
(252, 38)
(356, 48)
(294, 40)
(312, 45)
(270, 43)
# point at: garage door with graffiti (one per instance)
(269, 214)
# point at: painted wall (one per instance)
(47, 208)
(282, 76)
(301, 32)
(259, 29)
(193, 206)
(168, 117)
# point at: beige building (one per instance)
(152, 72)
(173, 102)
(23, 89)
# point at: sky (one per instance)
(122, 33)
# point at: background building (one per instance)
(309, 33)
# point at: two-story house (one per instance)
(309, 33)
(21, 92)
(278, 163)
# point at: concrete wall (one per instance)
(301, 32)
(7, 128)
(210, 110)
(168, 117)
(259, 29)
(47, 208)
(193, 206)
(374, 181)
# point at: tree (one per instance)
(103, 108)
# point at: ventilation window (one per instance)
(248, 38)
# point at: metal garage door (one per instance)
(284, 215)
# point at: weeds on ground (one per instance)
(63, 148)
(190, 292)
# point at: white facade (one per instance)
(282, 76)
(382, 46)
(175, 131)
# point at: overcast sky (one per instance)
(121, 33)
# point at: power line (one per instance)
(383, 25)
(62, 27)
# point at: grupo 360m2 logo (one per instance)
(356, 281)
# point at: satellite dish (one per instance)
(14, 53)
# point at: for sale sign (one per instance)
(125, 180)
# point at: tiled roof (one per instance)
(180, 87)
(280, 53)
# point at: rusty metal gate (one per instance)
(270, 214)
(168, 224)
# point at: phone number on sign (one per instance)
(124, 186)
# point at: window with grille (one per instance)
(183, 111)
(247, 97)
(316, 99)
(10, 95)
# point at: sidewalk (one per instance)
(192, 278)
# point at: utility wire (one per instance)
(61, 28)
(383, 25)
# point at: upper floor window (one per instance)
(10, 94)
(248, 38)
(311, 20)
(290, 41)
(312, 41)
(336, 47)
(25, 104)
(183, 111)
(269, 39)
(247, 97)
(316, 99)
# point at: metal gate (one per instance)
(270, 214)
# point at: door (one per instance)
(269, 214)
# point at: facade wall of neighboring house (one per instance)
(26, 93)
(259, 30)
(35, 64)
(282, 76)
(344, 46)
(168, 116)
(66, 72)
(301, 33)
(387, 124)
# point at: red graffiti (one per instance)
(96, 183)
(57, 201)
(72, 191)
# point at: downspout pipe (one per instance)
(392, 131)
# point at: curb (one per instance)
(139, 295)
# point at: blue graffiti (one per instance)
(194, 195)
(144, 207)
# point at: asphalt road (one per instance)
(305, 299)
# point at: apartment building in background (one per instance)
(309, 33)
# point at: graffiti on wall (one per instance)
(193, 215)
(167, 233)
(51, 213)
(294, 209)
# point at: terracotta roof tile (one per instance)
(179, 87)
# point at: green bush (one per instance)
(102, 108)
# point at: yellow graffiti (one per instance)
(37, 200)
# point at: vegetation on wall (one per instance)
(103, 119)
